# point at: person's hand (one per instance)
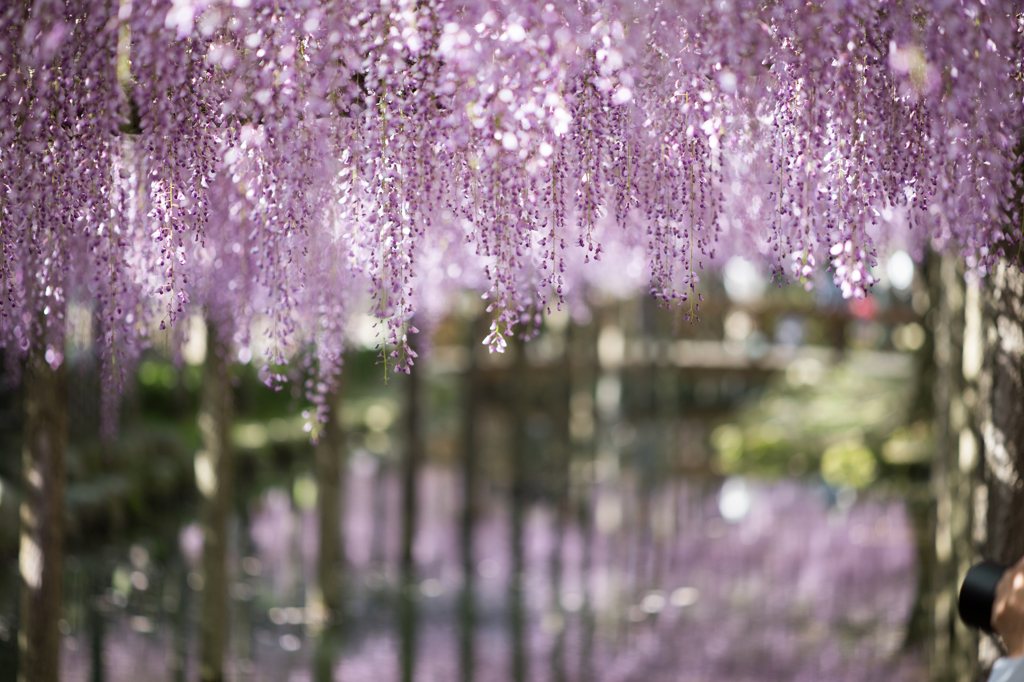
(1008, 609)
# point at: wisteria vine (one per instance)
(290, 160)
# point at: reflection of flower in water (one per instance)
(791, 590)
(273, 531)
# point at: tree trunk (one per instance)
(179, 640)
(1002, 423)
(561, 496)
(411, 463)
(470, 465)
(214, 478)
(330, 458)
(41, 554)
(517, 608)
(957, 329)
(99, 580)
(410, 468)
(999, 504)
(581, 354)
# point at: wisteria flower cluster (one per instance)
(289, 160)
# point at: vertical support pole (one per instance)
(41, 551)
(957, 329)
(467, 523)
(999, 504)
(215, 478)
(517, 610)
(330, 466)
(411, 464)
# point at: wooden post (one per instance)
(215, 478)
(330, 467)
(1000, 501)
(953, 646)
(41, 552)
(1002, 424)
(411, 464)
(470, 465)
(517, 608)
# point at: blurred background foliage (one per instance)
(852, 421)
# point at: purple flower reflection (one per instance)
(792, 590)
(273, 529)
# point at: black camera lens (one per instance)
(978, 594)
